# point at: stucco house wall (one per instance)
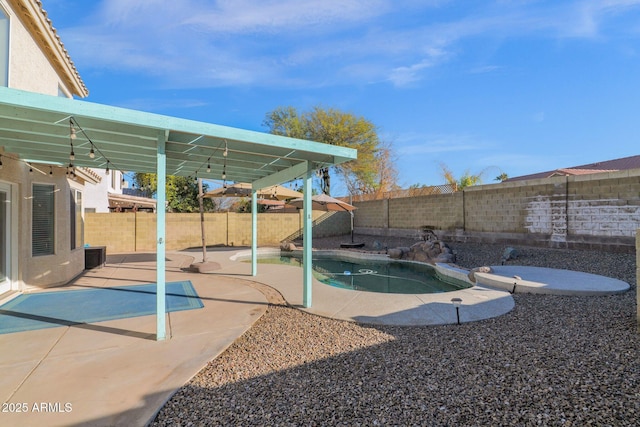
(38, 62)
(28, 68)
(96, 198)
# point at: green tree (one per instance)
(372, 171)
(466, 180)
(181, 192)
(244, 206)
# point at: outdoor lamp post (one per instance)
(457, 302)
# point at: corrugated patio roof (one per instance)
(36, 127)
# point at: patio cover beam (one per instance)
(283, 176)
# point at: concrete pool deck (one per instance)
(489, 297)
(115, 373)
(550, 281)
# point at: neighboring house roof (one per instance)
(625, 163)
(88, 175)
(126, 201)
(35, 19)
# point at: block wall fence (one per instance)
(136, 232)
(589, 211)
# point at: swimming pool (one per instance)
(383, 276)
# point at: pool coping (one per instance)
(478, 302)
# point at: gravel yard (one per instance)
(570, 361)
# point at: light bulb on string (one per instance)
(72, 130)
(92, 153)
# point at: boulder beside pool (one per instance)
(483, 269)
(429, 252)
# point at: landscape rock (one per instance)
(509, 254)
(483, 269)
(287, 246)
(428, 252)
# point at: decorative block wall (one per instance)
(597, 210)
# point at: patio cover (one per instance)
(36, 127)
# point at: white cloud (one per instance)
(233, 16)
(484, 69)
(411, 144)
(199, 43)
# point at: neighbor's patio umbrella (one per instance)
(242, 189)
(322, 202)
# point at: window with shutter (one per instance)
(42, 229)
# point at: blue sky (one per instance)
(485, 86)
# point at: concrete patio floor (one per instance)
(115, 373)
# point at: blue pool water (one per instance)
(375, 276)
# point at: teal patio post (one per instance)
(307, 243)
(254, 232)
(161, 308)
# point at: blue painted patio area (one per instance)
(43, 310)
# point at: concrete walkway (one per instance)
(551, 281)
(114, 373)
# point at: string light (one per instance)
(92, 154)
(50, 170)
(72, 136)
(72, 130)
(106, 172)
(209, 165)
